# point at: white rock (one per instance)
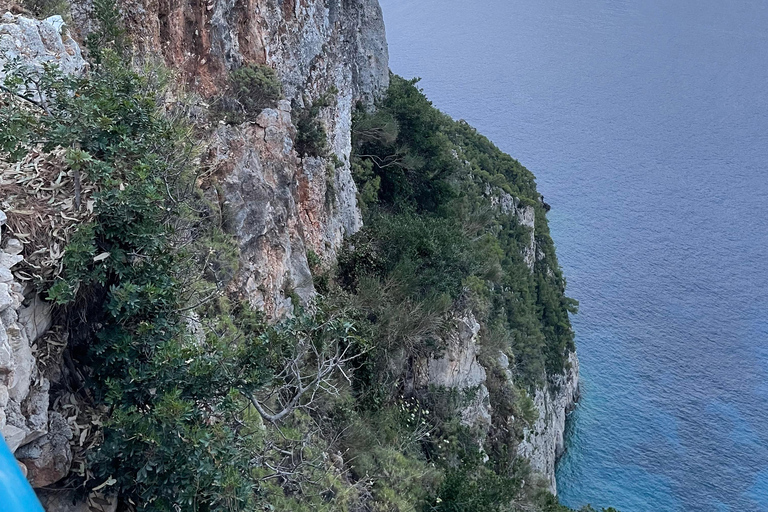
(544, 441)
(24, 369)
(3, 396)
(13, 246)
(5, 296)
(5, 275)
(459, 369)
(6, 357)
(9, 260)
(36, 318)
(13, 437)
(38, 42)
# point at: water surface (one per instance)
(646, 123)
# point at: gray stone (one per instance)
(24, 368)
(284, 106)
(13, 246)
(38, 42)
(6, 356)
(13, 436)
(5, 275)
(35, 410)
(9, 260)
(48, 458)
(36, 318)
(458, 368)
(543, 443)
(5, 297)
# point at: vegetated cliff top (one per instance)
(344, 405)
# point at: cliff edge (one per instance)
(357, 301)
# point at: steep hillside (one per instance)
(247, 269)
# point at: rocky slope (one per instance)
(281, 205)
(39, 437)
(278, 204)
(544, 443)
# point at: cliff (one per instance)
(415, 229)
(282, 205)
(543, 442)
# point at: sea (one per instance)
(646, 124)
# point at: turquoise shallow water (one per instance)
(646, 124)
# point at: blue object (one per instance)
(16, 495)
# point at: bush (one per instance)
(255, 87)
(311, 137)
(46, 8)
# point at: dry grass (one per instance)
(38, 196)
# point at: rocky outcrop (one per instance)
(48, 458)
(458, 369)
(525, 216)
(544, 443)
(281, 205)
(23, 390)
(38, 436)
(260, 201)
(38, 43)
(312, 44)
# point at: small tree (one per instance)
(255, 87)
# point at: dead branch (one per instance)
(309, 371)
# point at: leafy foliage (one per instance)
(252, 88)
(256, 87)
(430, 184)
(311, 137)
(436, 239)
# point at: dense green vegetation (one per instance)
(252, 88)
(208, 407)
(427, 182)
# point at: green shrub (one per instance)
(254, 87)
(184, 429)
(46, 8)
(311, 137)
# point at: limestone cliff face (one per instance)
(544, 442)
(458, 369)
(281, 205)
(39, 437)
(38, 42)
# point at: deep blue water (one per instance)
(646, 123)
